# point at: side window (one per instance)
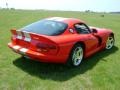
(81, 28)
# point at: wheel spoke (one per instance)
(111, 40)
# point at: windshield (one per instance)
(46, 27)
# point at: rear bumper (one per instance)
(37, 55)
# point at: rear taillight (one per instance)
(45, 47)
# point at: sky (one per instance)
(66, 5)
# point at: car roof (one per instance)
(65, 20)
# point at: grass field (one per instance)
(101, 71)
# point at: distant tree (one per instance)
(6, 5)
(12, 8)
(87, 11)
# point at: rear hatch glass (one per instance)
(46, 27)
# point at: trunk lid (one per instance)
(33, 41)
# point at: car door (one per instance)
(87, 37)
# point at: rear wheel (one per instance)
(76, 55)
(110, 42)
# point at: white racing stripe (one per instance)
(57, 18)
(23, 50)
(27, 36)
(61, 19)
(19, 34)
(53, 18)
(16, 47)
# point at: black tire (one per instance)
(110, 42)
(76, 52)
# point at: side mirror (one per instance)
(94, 31)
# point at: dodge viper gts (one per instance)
(60, 40)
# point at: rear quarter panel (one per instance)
(66, 43)
(104, 33)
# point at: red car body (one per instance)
(57, 48)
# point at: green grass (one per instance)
(101, 71)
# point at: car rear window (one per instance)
(46, 27)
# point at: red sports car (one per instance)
(60, 40)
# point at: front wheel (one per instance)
(110, 42)
(76, 55)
